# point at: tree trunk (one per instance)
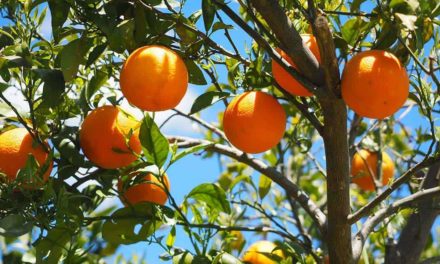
(335, 137)
(336, 152)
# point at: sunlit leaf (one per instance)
(212, 195)
(156, 146)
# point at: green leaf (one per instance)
(6, 39)
(14, 226)
(189, 151)
(195, 73)
(404, 6)
(220, 25)
(54, 86)
(355, 5)
(124, 223)
(207, 99)
(208, 13)
(155, 144)
(387, 36)
(50, 248)
(171, 237)
(29, 171)
(141, 26)
(13, 61)
(67, 149)
(95, 54)
(183, 258)
(264, 186)
(3, 87)
(352, 29)
(212, 195)
(97, 81)
(71, 56)
(122, 37)
(59, 11)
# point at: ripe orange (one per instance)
(152, 190)
(154, 78)
(253, 254)
(103, 137)
(254, 122)
(374, 84)
(284, 79)
(364, 164)
(15, 147)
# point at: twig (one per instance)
(200, 34)
(203, 123)
(363, 14)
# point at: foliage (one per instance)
(64, 74)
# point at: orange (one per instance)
(284, 79)
(103, 137)
(15, 147)
(374, 84)
(255, 253)
(154, 78)
(254, 122)
(152, 190)
(364, 164)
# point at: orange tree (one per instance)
(380, 107)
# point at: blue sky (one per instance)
(192, 170)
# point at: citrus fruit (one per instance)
(150, 190)
(254, 122)
(284, 79)
(106, 140)
(255, 254)
(374, 84)
(154, 78)
(15, 147)
(364, 164)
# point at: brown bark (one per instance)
(338, 199)
(336, 150)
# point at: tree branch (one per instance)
(380, 215)
(413, 238)
(292, 189)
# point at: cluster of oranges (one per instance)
(374, 84)
(154, 78)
